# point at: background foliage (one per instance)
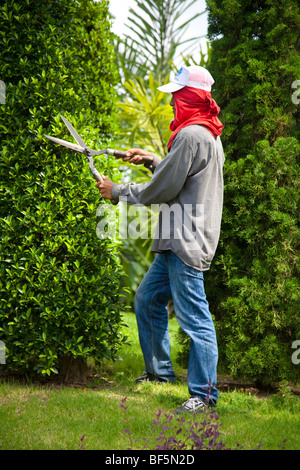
(155, 32)
(145, 112)
(59, 284)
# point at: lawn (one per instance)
(41, 417)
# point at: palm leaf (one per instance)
(154, 36)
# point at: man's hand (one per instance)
(136, 156)
(105, 187)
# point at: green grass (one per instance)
(50, 417)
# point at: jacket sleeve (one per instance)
(166, 182)
(153, 165)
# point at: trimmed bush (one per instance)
(59, 284)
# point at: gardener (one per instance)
(188, 185)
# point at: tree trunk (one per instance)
(72, 370)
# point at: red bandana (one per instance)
(195, 106)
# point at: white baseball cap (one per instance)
(194, 76)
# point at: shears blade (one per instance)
(81, 147)
(73, 132)
(77, 148)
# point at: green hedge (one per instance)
(257, 303)
(253, 286)
(59, 284)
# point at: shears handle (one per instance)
(122, 154)
(116, 154)
(99, 178)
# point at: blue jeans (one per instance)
(168, 277)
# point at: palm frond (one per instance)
(155, 35)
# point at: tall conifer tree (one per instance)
(256, 60)
(255, 278)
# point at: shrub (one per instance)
(258, 315)
(59, 284)
(254, 60)
(253, 286)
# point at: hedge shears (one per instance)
(82, 148)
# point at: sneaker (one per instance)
(147, 377)
(192, 405)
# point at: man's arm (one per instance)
(135, 156)
(166, 182)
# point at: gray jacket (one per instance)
(188, 186)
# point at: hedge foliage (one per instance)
(255, 61)
(255, 288)
(59, 284)
(257, 283)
